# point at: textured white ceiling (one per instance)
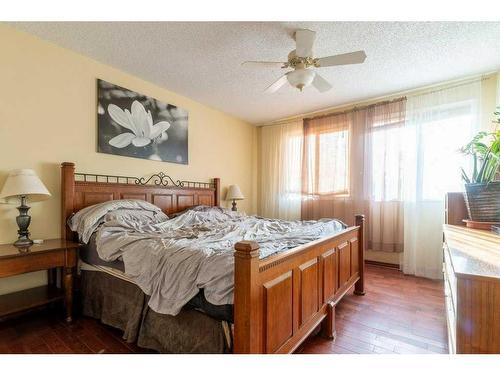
(202, 60)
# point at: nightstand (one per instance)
(48, 255)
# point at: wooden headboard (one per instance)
(80, 190)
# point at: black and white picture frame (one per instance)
(139, 126)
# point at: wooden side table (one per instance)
(48, 255)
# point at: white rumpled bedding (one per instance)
(171, 261)
(87, 220)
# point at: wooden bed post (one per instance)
(247, 299)
(328, 330)
(68, 195)
(217, 192)
(359, 287)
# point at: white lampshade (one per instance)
(300, 78)
(24, 182)
(234, 193)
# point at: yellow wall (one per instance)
(48, 115)
(489, 100)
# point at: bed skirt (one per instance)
(123, 305)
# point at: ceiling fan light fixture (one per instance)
(300, 78)
(304, 64)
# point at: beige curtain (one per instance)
(281, 169)
(352, 163)
(326, 176)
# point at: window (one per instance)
(333, 162)
(440, 141)
(331, 149)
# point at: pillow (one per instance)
(142, 216)
(87, 220)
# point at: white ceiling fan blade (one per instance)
(345, 59)
(271, 64)
(304, 40)
(276, 85)
(321, 84)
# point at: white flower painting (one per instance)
(140, 123)
(131, 124)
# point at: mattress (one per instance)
(90, 261)
(88, 254)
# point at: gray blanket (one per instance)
(171, 261)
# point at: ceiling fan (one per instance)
(303, 63)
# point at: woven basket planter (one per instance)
(483, 201)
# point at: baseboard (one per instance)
(382, 264)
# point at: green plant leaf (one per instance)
(485, 150)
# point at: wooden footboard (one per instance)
(280, 300)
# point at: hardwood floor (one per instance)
(47, 332)
(398, 314)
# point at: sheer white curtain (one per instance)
(437, 125)
(281, 165)
(383, 149)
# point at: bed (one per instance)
(279, 300)
(111, 296)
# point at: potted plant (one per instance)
(482, 187)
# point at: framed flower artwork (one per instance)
(139, 126)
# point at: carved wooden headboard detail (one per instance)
(80, 190)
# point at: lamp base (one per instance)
(23, 242)
(234, 206)
(23, 222)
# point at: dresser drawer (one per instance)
(450, 319)
(450, 279)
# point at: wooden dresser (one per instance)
(472, 289)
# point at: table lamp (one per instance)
(234, 194)
(23, 185)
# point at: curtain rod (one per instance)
(450, 87)
(356, 108)
(408, 93)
